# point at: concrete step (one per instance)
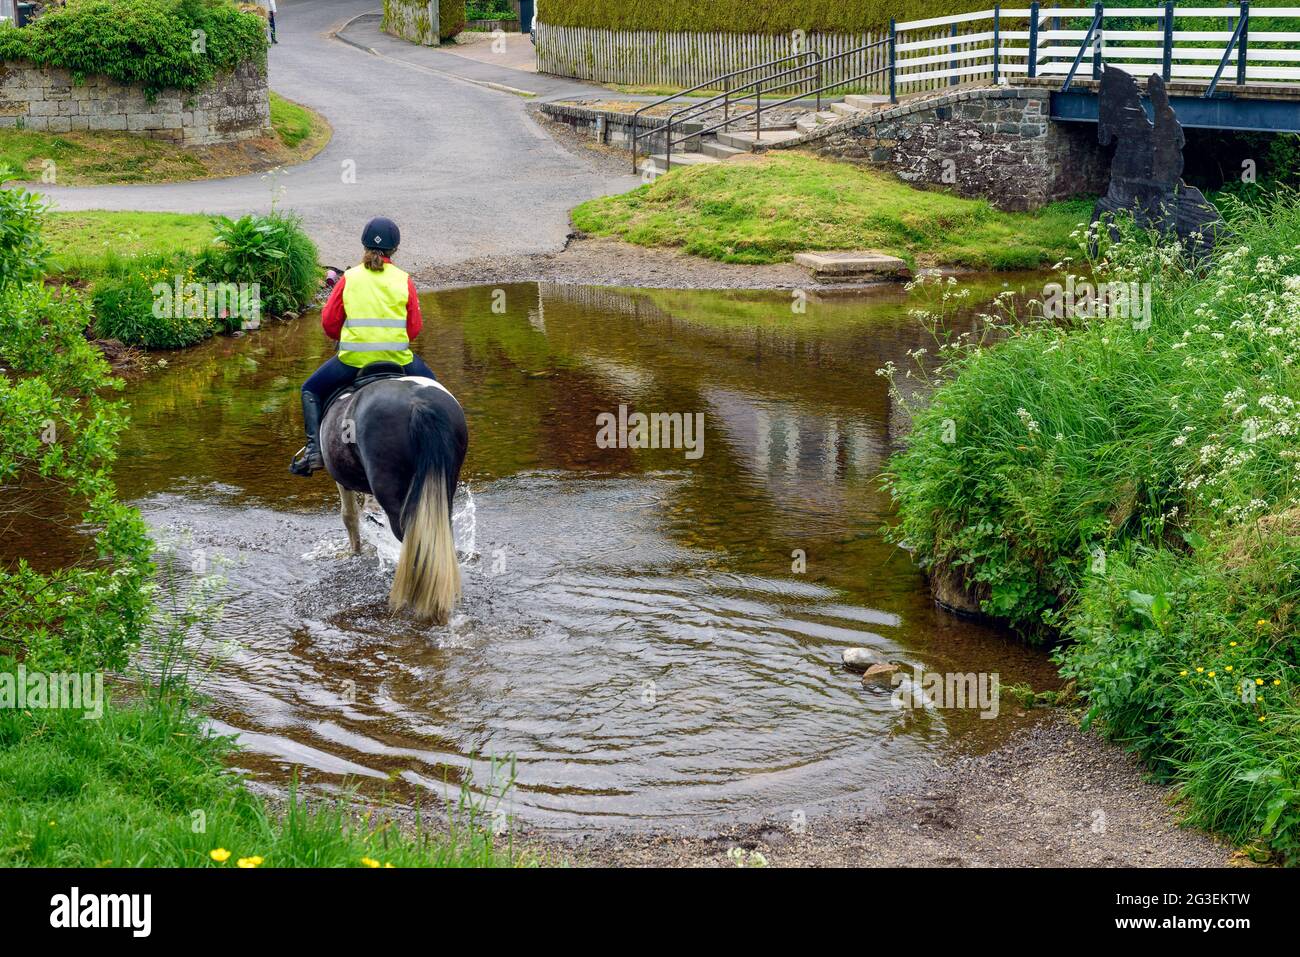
(861, 264)
(867, 101)
(746, 140)
(846, 109)
(720, 150)
(656, 165)
(810, 121)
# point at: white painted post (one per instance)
(435, 31)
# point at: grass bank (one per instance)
(766, 209)
(1130, 481)
(100, 158)
(145, 785)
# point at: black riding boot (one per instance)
(309, 459)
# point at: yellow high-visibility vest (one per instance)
(375, 306)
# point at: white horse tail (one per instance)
(427, 581)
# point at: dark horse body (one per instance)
(403, 440)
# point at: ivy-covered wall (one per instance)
(751, 16)
(409, 19)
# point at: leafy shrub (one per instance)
(58, 429)
(451, 18)
(489, 10)
(145, 42)
(1191, 661)
(272, 251)
(23, 250)
(128, 308)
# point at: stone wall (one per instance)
(996, 143)
(233, 107)
(612, 128)
(411, 20)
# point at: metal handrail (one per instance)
(1238, 38)
(679, 117)
(724, 78)
(760, 107)
(1078, 57)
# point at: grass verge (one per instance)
(92, 243)
(765, 209)
(1130, 481)
(99, 158)
(145, 785)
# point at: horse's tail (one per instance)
(427, 581)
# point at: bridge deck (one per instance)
(1231, 67)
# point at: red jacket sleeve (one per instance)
(414, 321)
(332, 314)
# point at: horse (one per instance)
(402, 440)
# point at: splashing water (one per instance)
(376, 533)
(464, 524)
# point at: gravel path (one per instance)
(1053, 797)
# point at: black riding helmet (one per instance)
(381, 233)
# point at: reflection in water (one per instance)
(634, 630)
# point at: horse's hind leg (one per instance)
(351, 510)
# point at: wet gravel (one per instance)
(1052, 797)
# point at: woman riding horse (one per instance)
(374, 314)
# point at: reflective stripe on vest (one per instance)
(377, 300)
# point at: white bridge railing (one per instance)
(1216, 46)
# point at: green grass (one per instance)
(97, 242)
(1131, 483)
(88, 159)
(146, 786)
(97, 158)
(765, 210)
(291, 121)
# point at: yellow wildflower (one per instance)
(369, 862)
(220, 855)
(250, 861)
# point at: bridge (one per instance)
(1226, 68)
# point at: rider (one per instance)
(374, 314)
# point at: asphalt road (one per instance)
(462, 168)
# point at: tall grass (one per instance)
(1132, 483)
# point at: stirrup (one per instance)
(306, 461)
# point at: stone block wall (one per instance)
(615, 129)
(996, 143)
(233, 107)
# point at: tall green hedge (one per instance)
(752, 16)
(153, 43)
(451, 18)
